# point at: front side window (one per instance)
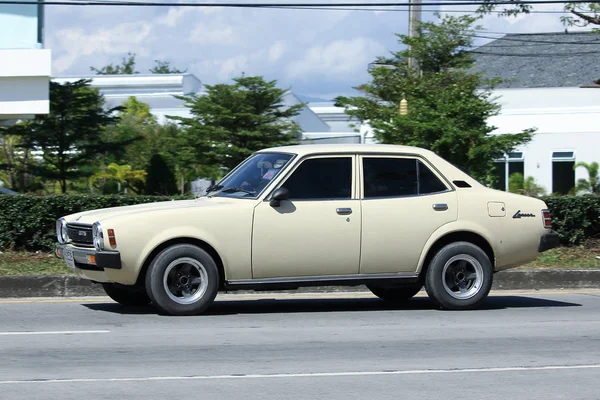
(252, 176)
(397, 177)
(322, 179)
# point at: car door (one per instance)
(403, 202)
(316, 231)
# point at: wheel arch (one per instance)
(183, 240)
(457, 236)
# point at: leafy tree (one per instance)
(582, 14)
(231, 121)
(70, 137)
(593, 184)
(164, 67)
(127, 67)
(448, 106)
(518, 184)
(160, 179)
(15, 158)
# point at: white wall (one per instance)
(566, 119)
(24, 83)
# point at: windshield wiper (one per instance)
(212, 188)
(233, 189)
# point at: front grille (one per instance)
(80, 234)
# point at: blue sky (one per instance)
(319, 54)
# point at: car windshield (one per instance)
(252, 176)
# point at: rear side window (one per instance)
(396, 177)
(428, 181)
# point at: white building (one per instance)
(24, 63)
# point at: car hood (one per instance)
(89, 217)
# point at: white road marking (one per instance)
(50, 333)
(306, 375)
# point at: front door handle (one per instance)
(440, 207)
(344, 211)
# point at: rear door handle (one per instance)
(440, 207)
(344, 211)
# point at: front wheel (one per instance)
(459, 276)
(127, 295)
(182, 280)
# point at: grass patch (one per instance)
(40, 263)
(25, 263)
(575, 257)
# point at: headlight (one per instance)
(98, 236)
(61, 231)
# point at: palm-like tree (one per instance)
(593, 184)
(123, 174)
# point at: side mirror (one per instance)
(279, 195)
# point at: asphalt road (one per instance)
(342, 346)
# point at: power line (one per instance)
(282, 5)
(405, 10)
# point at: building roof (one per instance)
(541, 60)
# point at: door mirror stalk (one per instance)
(279, 195)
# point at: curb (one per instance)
(73, 286)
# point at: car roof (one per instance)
(305, 149)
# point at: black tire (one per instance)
(127, 295)
(178, 262)
(395, 293)
(440, 285)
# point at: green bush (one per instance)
(575, 218)
(28, 222)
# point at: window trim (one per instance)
(284, 178)
(416, 157)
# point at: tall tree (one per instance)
(448, 106)
(581, 14)
(231, 121)
(127, 67)
(70, 137)
(164, 67)
(160, 179)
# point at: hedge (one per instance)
(575, 218)
(28, 222)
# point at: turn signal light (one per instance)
(547, 219)
(111, 237)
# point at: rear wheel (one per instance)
(182, 280)
(395, 293)
(127, 295)
(459, 276)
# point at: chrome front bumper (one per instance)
(89, 258)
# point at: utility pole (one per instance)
(414, 16)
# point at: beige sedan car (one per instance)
(393, 218)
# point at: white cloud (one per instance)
(276, 51)
(208, 34)
(336, 59)
(74, 42)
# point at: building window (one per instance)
(511, 164)
(563, 173)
